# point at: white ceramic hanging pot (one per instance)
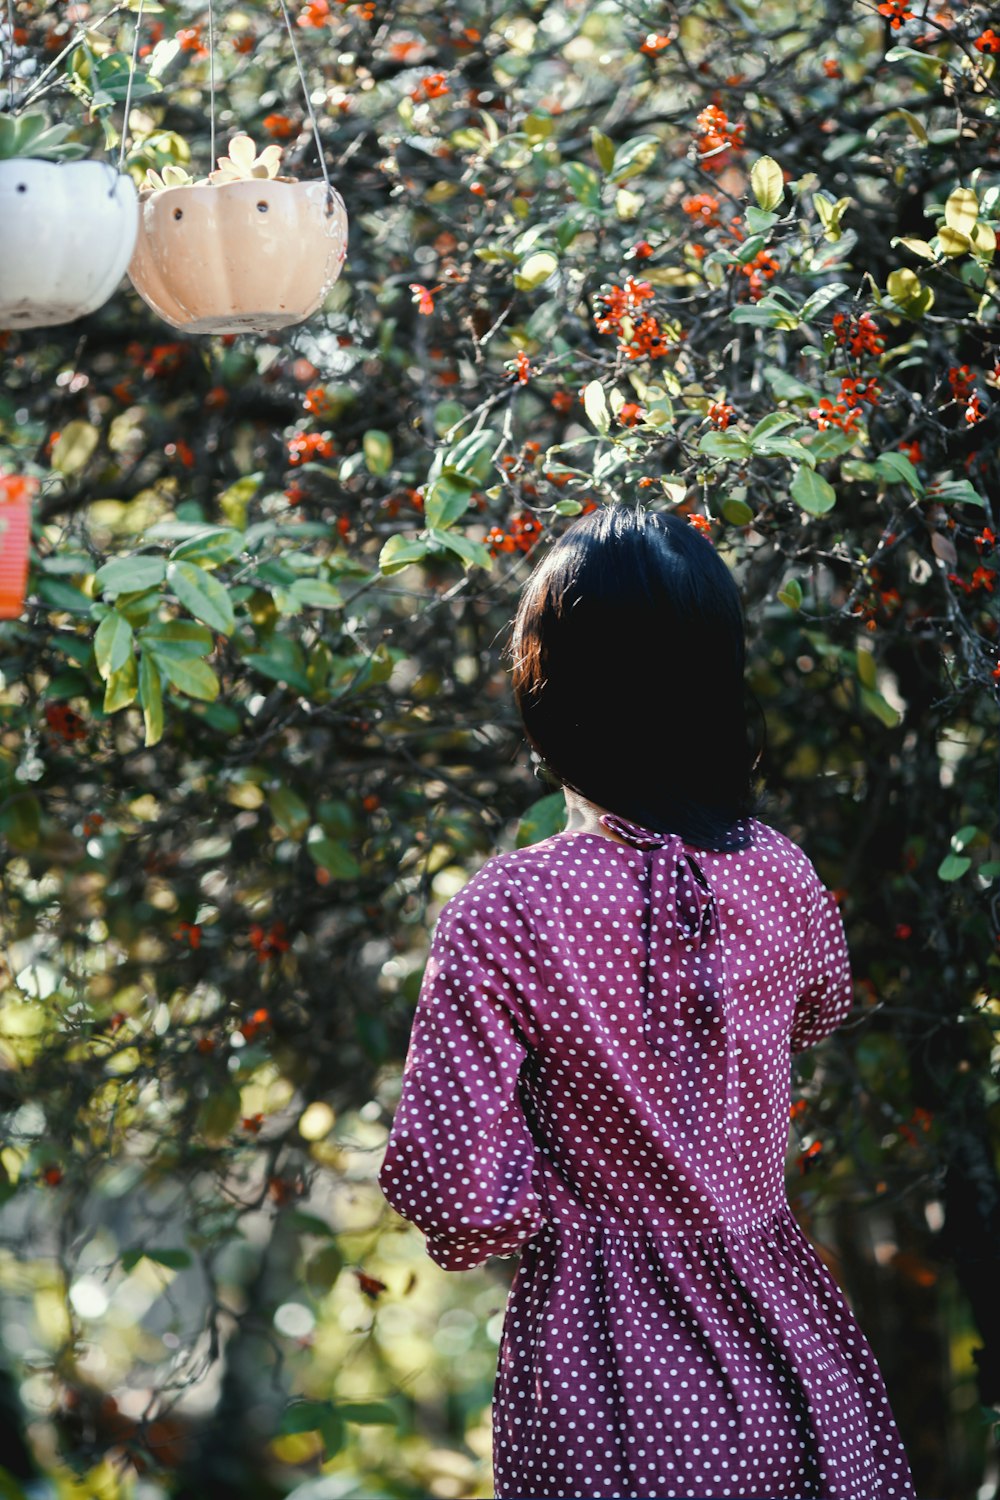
(237, 257)
(67, 230)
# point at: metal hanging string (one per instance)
(211, 84)
(128, 89)
(308, 99)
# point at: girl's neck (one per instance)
(583, 816)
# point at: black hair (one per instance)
(628, 652)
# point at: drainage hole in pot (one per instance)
(262, 207)
(178, 213)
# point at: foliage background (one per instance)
(214, 926)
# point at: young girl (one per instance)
(599, 1070)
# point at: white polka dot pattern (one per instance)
(599, 1076)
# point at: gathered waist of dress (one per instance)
(777, 1221)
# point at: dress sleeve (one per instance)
(825, 993)
(461, 1162)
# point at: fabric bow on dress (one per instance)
(686, 995)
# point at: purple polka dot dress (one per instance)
(598, 1076)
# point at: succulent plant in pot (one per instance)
(244, 250)
(68, 225)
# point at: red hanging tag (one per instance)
(16, 491)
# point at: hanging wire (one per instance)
(309, 106)
(128, 89)
(11, 60)
(211, 84)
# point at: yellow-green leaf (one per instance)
(151, 697)
(952, 242)
(595, 404)
(74, 447)
(915, 246)
(830, 214)
(122, 687)
(288, 811)
(908, 291)
(377, 447)
(984, 240)
(604, 148)
(961, 210)
(535, 270)
(866, 668)
(112, 643)
(767, 181)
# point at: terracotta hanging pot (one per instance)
(239, 253)
(15, 540)
(67, 229)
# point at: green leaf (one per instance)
(74, 447)
(112, 643)
(124, 575)
(122, 686)
(595, 404)
(21, 820)
(954, 866)
(535, 270)
(180, 639)
(332, 855)
(736, 512)
(316, 593)
(446, 499)
(367, 1411)
(473, 554)
(176, 1260)
(957, 491)
(584, 182)
(542, 819)
(304, 1416)
(896, 468)
(877, 705)
(399, 552)
(814, 493)
(791, 594)
(772, 422)
(749, 248)
(916, 125)
(190, 675)
(151, 697)
(822, 298)
(323, 1268)
(214, 544)
(634, 157)
(768, 182)
(785, 447)
(289, 812)
(724, 444)
(759, 221)
(203, 595)
(472, 457)
(963, 837)
(60, 595)
(604, 148)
